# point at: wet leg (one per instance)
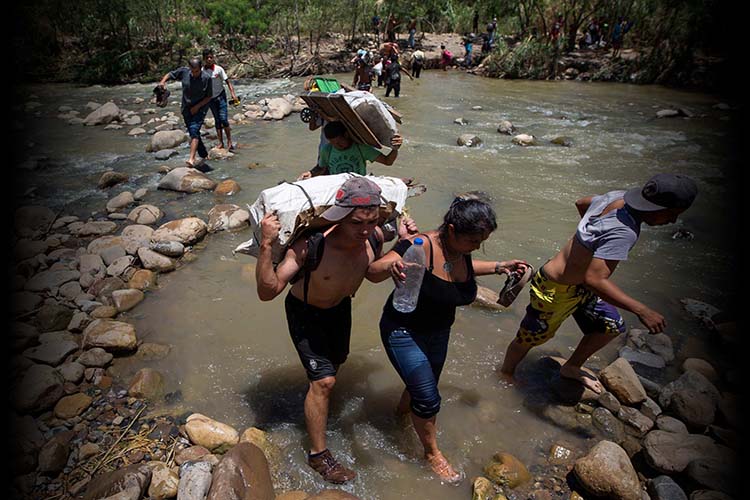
(316, 412)
(513, 355)
(588, 345)
(427, 431)
(193, 151)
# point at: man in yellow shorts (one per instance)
(576, 280)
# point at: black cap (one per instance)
(663, 191)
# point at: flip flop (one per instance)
(513, 286)
(232, 148)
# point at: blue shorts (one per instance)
(219, 109)
(194, 122)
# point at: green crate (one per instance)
(328, 85)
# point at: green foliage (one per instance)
(111, 40)
(532, 58)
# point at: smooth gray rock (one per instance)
(195, 480)
(664, 488)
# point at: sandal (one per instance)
(513, 286)
(443, 469)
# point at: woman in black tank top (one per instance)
(417, 342)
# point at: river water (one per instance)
(231, 355)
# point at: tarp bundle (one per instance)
(298, 206)
(374, 113)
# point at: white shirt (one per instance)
(218, 77)
(378, 68)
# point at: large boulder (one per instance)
(111, 178)
(227, 217)
(506, 470)
(187, 231)
(47, 280)
(186, 180)
(670, 452)
(693, 382)
(164, 482)
(166, 139)
(209, 433)
(147, 383)
(156, 262)
(607, 472)
(145, 214)
(40, 389)
(51, 353)
(195, 480)
(469, 140)
(102, 115)
(621, 380)
(112, 336)
(25, 445)
(32, 218)
(136, 236)
(122, 200)
(242, 473)
(128, 482)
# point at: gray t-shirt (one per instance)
(194, 90)
(612, 235)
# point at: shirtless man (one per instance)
(577, 280)
(320, 320)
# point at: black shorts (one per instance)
(321, 336)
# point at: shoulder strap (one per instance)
(375, 242)
(429, 240)
(315, 248)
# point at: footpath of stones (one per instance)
(81, 432)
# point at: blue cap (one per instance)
(418, 241)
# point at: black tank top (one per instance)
(438, 298)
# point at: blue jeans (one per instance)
(418, 358)
(194, 122)
(218, 107)
(412, 32)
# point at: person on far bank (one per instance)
(468, 47)
(491, 29)
(318, 305)
(343, 155)
(417, 342)
(196, 95)
(412, 32)
(446, 57)
(218, 104)
(578, 281)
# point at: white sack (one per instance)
(289, 201)
(374, 113)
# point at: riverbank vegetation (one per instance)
(93, 41)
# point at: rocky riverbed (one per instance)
(83, 431)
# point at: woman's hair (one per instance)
(470, 213)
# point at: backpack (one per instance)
(314, 256)
(395, 70)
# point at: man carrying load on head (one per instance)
(343, 155)
(318, 306)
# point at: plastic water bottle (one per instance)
(405, 297)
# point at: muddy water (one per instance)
(231, 356)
